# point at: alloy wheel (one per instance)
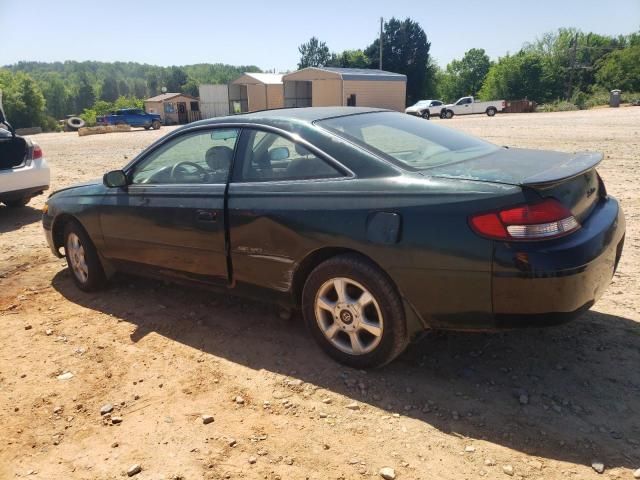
(76, 257)
(349, 316)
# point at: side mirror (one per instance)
(279, 153)
(114, 179)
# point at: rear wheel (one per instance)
(491, 111)
(155, 125)
(448, 114)
(82, 258)
(17, 202)
(354, 312)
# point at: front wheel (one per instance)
(354, 312)
(155, 125)
(426, 115)
(82, 258)
(448, 114)
(491, 111)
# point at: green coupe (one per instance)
(376, 224)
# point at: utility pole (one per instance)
(573, 66)
(380, 61)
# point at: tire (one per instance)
(17, 203)
(385, 336)
(156, 125)
(448, 114)
(491, 111)
(78, 246)
(426, 115)
(75, 123)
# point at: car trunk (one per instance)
(13, 150)
(569, 178)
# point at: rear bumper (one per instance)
(28, 180)
(541, 283)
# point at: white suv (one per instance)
(24, 173)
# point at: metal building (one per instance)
(214, 100)
(255, 91)
(330, 86)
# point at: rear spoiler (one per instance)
(574, 166)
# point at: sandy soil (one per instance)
(545, 403)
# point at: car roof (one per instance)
(306, 115)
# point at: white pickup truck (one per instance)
(468, 105)
(24, 172)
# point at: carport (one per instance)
(255, 91)
(332, 86)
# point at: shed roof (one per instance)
(167, 96)
(264, 78)
(356, 74)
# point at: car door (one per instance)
(277, 198)
(171, 215)
(464, 107)
(435, 107)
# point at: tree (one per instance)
(85, 96)
(519, 76)
(464, 77)
(621, 69)
(314, 53)
(23, 101)
(349, 59)
(175, 79)
(405, 49)
(57, 95)
(109, 91)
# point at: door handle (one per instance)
(206, 216)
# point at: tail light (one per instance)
(537, 221)
(36, 153)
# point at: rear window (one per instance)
(407, 140)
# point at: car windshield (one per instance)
(406, 140)
(421, 103)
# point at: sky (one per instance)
(267, 33)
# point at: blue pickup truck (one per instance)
(131, 116)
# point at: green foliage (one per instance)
(109, 90)
(349, 59)
(50, 124)
(314, 53)
(22, 99)
(71, 87)
(519, 76)
(405, 49)
(621, 69)
(89, 116)
(464, 77)
(557, 106)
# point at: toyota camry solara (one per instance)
(376, 224)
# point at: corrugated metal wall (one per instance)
(214, 100)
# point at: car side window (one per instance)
(202, 157)
(272, 157)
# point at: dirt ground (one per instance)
(534, 404)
